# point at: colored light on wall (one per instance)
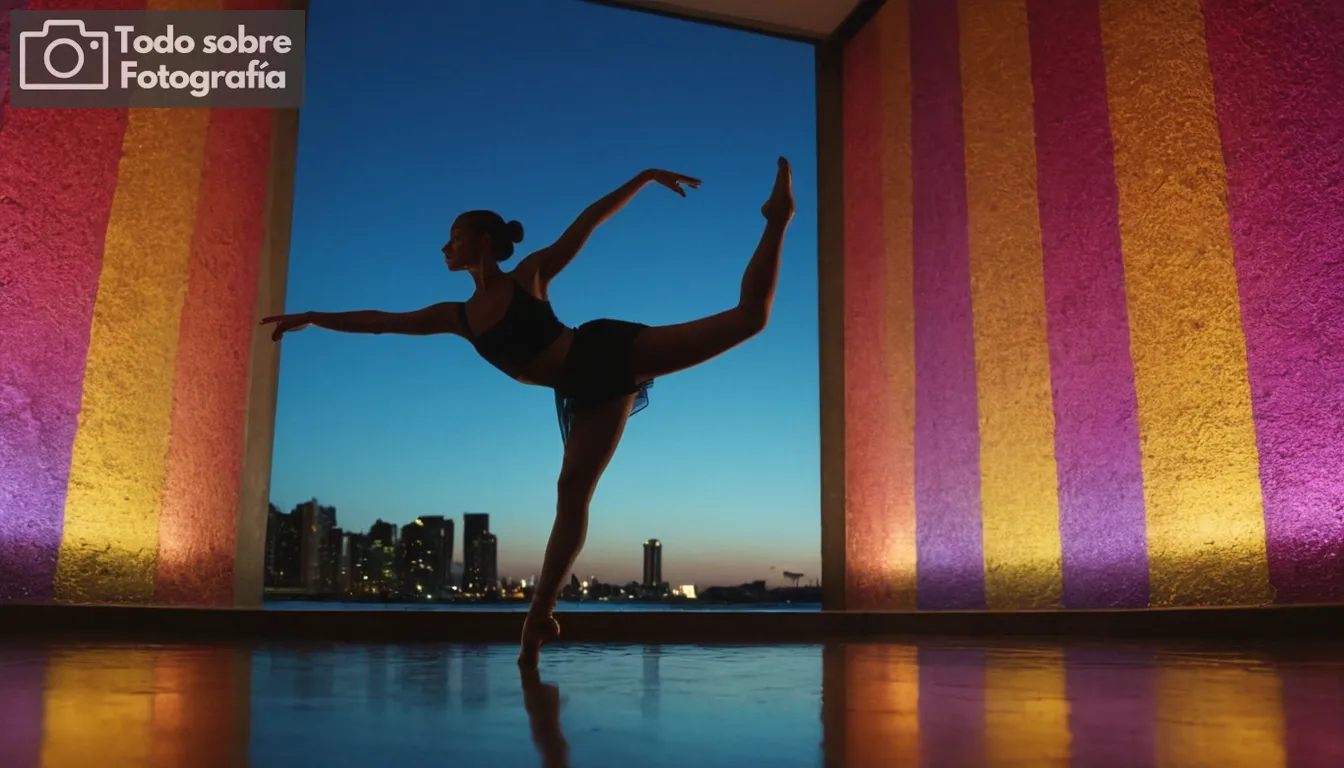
(1018, 487)
(1128, 351)
(879, 288)
(1206, 534)
(1276, 74)
(132, 241)
(1103, 535)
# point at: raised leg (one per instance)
(593, 438)
(664, 349)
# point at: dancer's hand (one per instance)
(286, 323)
(672, 181)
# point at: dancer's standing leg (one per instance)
(593, 438)
(658, 351)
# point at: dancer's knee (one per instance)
(574, 489)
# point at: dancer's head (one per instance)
(479, 238)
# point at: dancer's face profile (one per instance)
(467, 247)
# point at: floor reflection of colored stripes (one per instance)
(927, 704)
(1088, 706)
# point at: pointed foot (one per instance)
(538, 629)
(780, 205)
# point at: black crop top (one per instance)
(528, 328)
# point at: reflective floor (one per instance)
(934, 704)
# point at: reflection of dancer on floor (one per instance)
(542, 702)
(600, 371)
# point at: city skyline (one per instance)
(639, 564)
(724, 464)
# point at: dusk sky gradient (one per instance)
(536, 108)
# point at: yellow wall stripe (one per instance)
(1019, 493)
(1206, 532)
(117, 469)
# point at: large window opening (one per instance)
(406, 470)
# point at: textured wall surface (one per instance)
(1094, 350)
(1277, 78)
(1103, 536)
(879, 320)
(1018, 491)
(1206, 534)
(131, 241)
(197, 524)
(947, 477)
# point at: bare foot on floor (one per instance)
(538, 629)
(780, 204)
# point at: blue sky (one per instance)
(536, 108)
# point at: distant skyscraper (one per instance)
(439, 536)
(383, 533)
(273, 514)
(488, 546)
(329, 582)
(345, 568)
(414, 571)
(653, 563)
(360, 564)
(284, 549)
(382, 564)
(316, 523)
(475, 526)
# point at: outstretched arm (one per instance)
(551, 260)
(436, 318)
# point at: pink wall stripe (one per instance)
(1101, 512)
(58, 172)
(867, 428)
(199, 520)
(947, 444)
(1277, 71)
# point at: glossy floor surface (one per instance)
(937, 704)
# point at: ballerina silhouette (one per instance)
(600, 371)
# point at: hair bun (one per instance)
(515, 230)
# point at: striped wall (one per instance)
(131, 242)
(1047, 706)
(1094, 304)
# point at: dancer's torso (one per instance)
(528, 342)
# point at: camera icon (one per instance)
(64, 56)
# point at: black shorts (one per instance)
(598, 369)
